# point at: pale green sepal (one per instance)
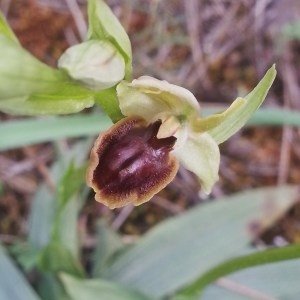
(103, 25)
(240, 114)
(96, 64)
(6, 30)
(151, 98)
(200, 154)
(21, 74)
(136, 103)
(44, 105)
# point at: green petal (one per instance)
(200, 154)
(241, 110)
(103, 25)
(149, 97)
(96, 64)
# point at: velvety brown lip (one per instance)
(129, 164)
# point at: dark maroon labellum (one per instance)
(129, 164)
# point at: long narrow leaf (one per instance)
(96, 289)
(46, 203)
(108, 244)
(13, 284)
(278, 280)
(31, 131)
(254, 259)
(180, 250)
(25, 132)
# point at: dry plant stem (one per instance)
(167, 205)
(42, 169)
(221, 39)
(26, 165)
(70, 36)
(11, 172)
(192, 11)
(243, 290)
(285, 155)
(122, 217)
(238, 37)
(78, 18)
(285, 150)
(8, 239)
(259, 22)
(5, 5)
(127, 13)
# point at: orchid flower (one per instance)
(163, 127)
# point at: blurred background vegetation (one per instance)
(218, 49)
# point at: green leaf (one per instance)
(108, 245)
(103, 25)
(237, 115)
(56, 258)
(19, 133)
(180, 250)
(25, 255)
(50, 287)
(236, 264)
(6, 30)
(22, 74)
(45, 204)
(70, 184)
(54, 128)
(29, 87)
(68, 204)
(13, 285)
(273, 281)
(95, 289)
(44, 105)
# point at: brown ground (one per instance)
(216, 50)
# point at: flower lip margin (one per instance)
(148, 180)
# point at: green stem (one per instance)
(240, 263)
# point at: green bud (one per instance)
(96, 64)
(104, 26)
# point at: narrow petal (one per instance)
(200, 155)
(241, 109)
